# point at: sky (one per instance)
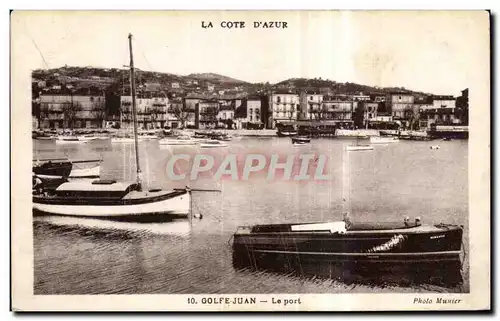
(437, 52)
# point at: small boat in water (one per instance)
(350, 244)
(65, 168)
(122, 140)
(435, 147)
(286, 131)
(301, 140)
(212, 144)
(354, 148)
(70, 140)
(182, 140)
(383, 140)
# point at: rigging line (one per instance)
(144, 55)
(39, 51)
(36, 46)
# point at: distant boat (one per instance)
(182, 140)
(148, 135)
(122, 140)
(358, 147)
(213, 144)
(301, 140)
(70, 140)
(383, 140)
(353, 148)
(435, 147)
(286, 131)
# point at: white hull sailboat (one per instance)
(353, 148)
(383, 140)
(122, 140)
(70, 140)
(213, 144)
(179, 141)
(109, 198)
(122, 200)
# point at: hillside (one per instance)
(113, 77)
(216, 78)
(340, 88)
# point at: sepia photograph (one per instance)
(250, 160)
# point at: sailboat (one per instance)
(111, 198)
(351, 245)
(358, 147)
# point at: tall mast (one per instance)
(134, 111)
(346, 182)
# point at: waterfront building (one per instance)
(225, 116)
(401, 106)
(339, 111)
(442, 111)
(310, 106)
(462, 105)
(206, 112)
(175, 85)
(151, 111)
(284, 106)
(63, 108)
(254, 106)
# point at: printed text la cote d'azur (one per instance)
(243, 24)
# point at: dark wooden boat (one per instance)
(56, 168)
(61, 168)
(358, 245)
(301, 140)
(286, 131)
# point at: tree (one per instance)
(99, 111)
(359, 115)
(155, 111)
(181, 113)
(70, 111)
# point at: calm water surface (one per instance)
(84, 256)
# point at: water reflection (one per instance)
(410, 274)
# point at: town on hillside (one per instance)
(75, 97)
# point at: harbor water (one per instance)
(92, 256)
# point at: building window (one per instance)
(311, 98)
(91, 99)
(278, 99)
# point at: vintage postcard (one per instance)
(250, 160)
